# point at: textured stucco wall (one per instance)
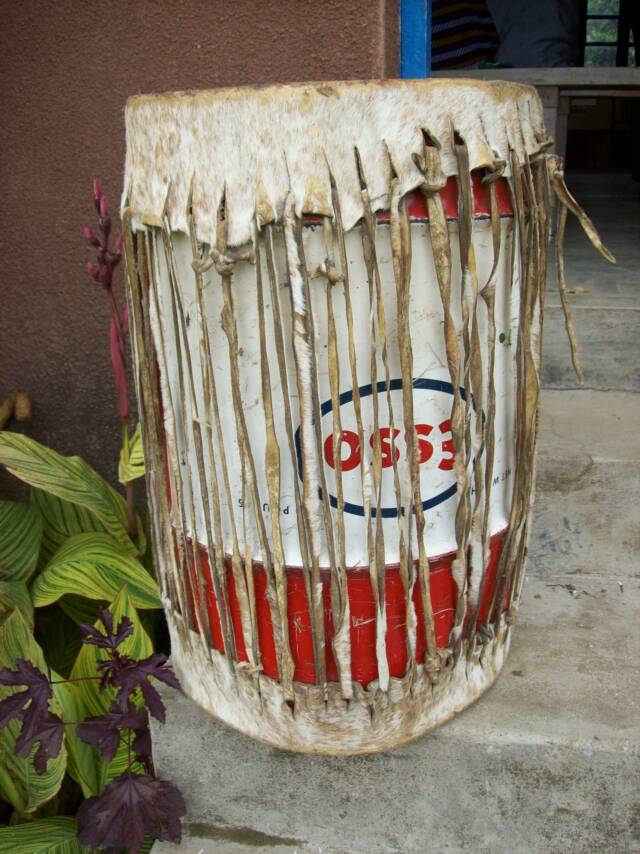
(66, 70)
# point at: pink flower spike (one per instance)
(90, 236)
(104, 208)
(93, 271)
(97, 190)
(117, 247)
(116, 340)
(104, 276)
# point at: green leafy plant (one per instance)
(90, 724)
(75, 693)
(134, 802)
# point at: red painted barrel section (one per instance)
(364, 667)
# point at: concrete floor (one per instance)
(549, 759)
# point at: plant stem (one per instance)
(114, 308)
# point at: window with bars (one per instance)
(610, 29)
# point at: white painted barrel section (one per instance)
(432, 393)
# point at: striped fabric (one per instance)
(463, 34)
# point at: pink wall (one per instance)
(66, 70)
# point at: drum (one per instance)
(337, 299)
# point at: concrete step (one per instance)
(544, 762)
(603, 297)
(586, 517)
(547, 761)
(608, 338)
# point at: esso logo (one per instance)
(432, 402)
(390, 450)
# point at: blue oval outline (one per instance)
(367, 391)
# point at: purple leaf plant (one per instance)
(133, 804)
(31, 707)
(127, 674)
(130, 806)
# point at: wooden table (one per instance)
(557, 86)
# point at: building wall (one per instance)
(66, 70)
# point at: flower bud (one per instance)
(97, 190)
(93, 271)
(90, 236)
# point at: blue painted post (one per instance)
(415, 38)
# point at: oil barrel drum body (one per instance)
(336, 295)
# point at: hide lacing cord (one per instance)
(533, 269)
(377, 337)
(338, 237)
(143, 302)
(429, 163)
(303, 539)
(510, 615)
(272, 467)
(465, 564)
(567, 202)
(142, 260)
(487, 294)
(378, 325)
(339, 596)
(527, 383)
(178, 315)
(401, 249)
(227, 259)
(304, 357)
(339, 591)
(243, 586)
(327, 269)
(337, 588)
(224, 261)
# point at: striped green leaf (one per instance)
(82, 610)
(15, 594)
(94, 566)
(46, 836)
(60, 520)
(94, 702)
(20, 536)
(133, 467)
(20, 784)
(71, 480)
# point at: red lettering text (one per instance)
(446, 463)
(350, 439)
(425, 449)
(385, 446)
